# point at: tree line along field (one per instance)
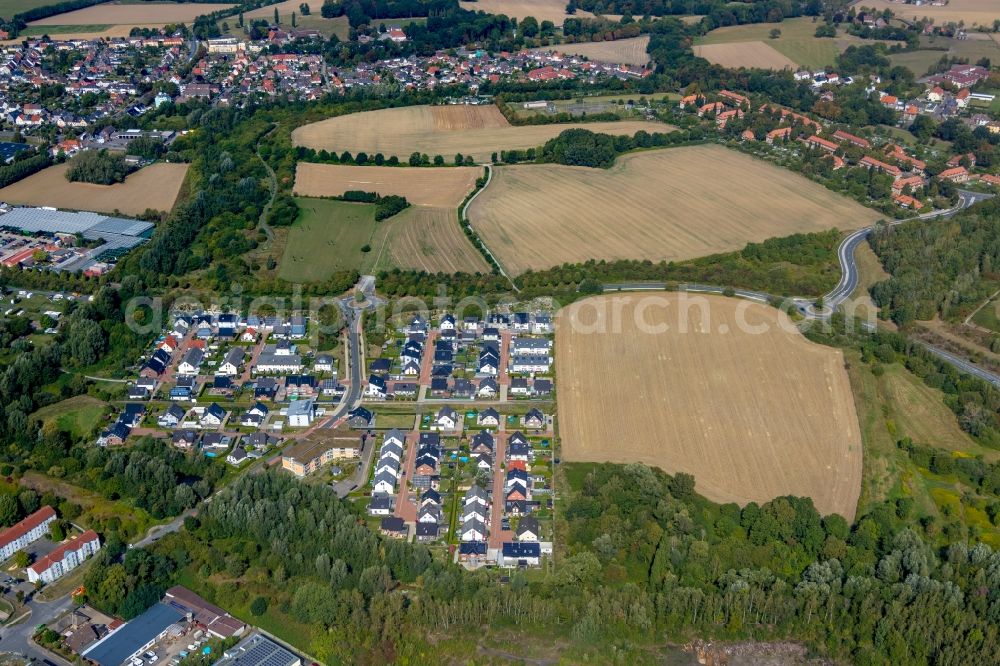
(478, 131)
(155, 186)
(752, 415)
(444, 187)
(671, 204)
(331, 236)
(751, 46)
(631, 51)
(143, 13)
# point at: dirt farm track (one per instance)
(752, 415)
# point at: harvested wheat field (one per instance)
(973, 12)
(422, 186)
(630, 51)
(143, 13)
(155, 186)
(430, 239)
(543, 10)
(442, 130)
(752, 413)
(670, 204)
(71, 32)
(285, 10)
(744, 54)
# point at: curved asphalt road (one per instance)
(848, 266)
(849, 278)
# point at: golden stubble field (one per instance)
(744, 54)
(973, 12)
(752, 415)
(441, 130)
(443, 187)
(155, 186)
(630, 51)
(430, 239)
(671, 204)
(143, 13)
(543, 10)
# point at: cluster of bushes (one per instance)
(98, 166)
(385, 206)
(581, 147)
(284, 211)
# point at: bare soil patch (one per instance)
(752, 413)
(444, 187)
(155, 186)
(672, 204)
(441, 130)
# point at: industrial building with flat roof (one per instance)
(119, 235)
(135, 636)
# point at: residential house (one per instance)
(446, 419)
(64, 558)
(956, 175)
(24, 533)
(172, 417)
(488, 389)
(232, 362)
(191, 362)
(533, 420)
(488, 418)
(255, 416)
(394, 527)
(527, 529)
(376, 388)
(212, 417)
(300, 413)
(184, 439)
(482, 442)
(115, 435)
(360, 418)
(381, 505)
(520, 554)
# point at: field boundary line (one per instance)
(463, 220)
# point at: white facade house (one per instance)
(65, 558)
(301, 413)
(26, 532)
